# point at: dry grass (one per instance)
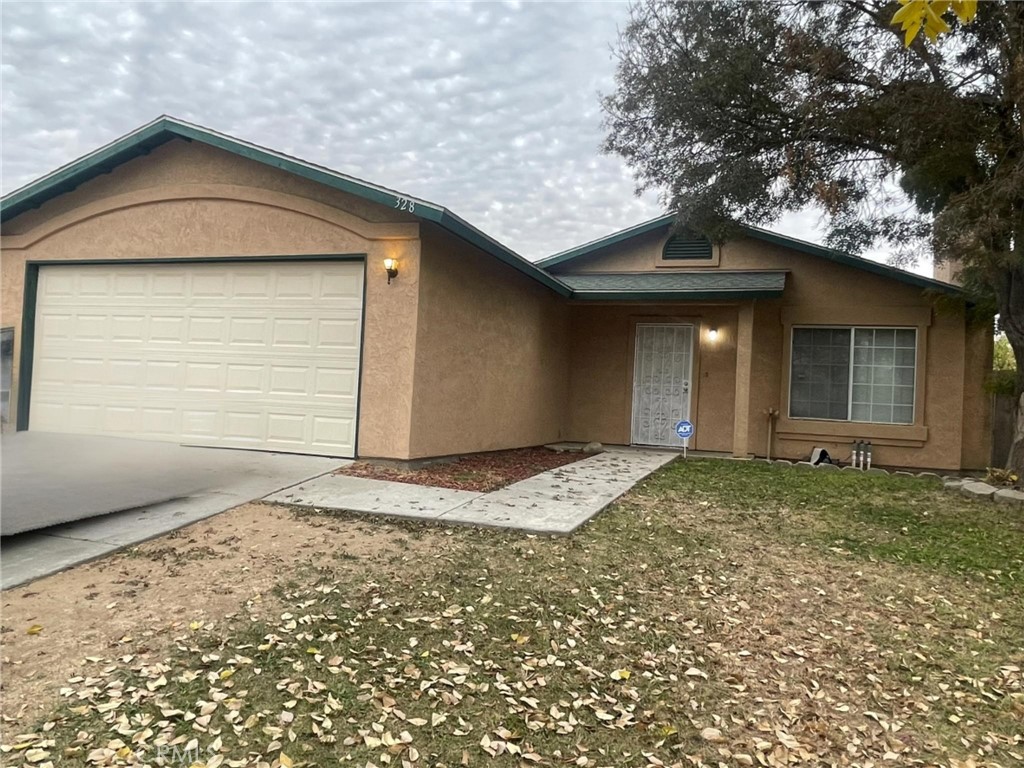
(721, 614)
(137, 601)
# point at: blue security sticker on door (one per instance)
(684, 430)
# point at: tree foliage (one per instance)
(1002, 355)
(741, 111)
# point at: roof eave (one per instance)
(857, 262)
(474, 236)
(71, 175)
(605, 242)
(612, 295)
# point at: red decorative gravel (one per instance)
(481, 472)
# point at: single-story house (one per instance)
(179, 284)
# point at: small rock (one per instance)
(593, 448)
(1010, 497)
(954, 484)
(929, 475)
(832, 467)
(978, 490)
(804, 465)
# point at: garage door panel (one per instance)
(169, 284)
(55, 326)
(343, 288)
(131, 286)
(89, 327)
(166, 329)
(210, 284)
(330, 430)
(287, 428)
(204, 377)
(336, 382)
(249, 331)
(252, 286)
(130, 328)
(94, 285)
(292, 332)
(252, 355)
(119, 420)
(200, 424)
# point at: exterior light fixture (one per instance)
(391, 267)
(712, 334)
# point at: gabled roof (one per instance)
(705, 285)
(144, 140)
(663, 223)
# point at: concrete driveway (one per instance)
(71, 498)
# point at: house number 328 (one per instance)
(405, 204)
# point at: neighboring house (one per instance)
(179, 284)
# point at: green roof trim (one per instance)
(677, 285)
(665, 222)
(849, 260)
(662, 222)
(145, 139)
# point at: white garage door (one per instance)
(234, 354)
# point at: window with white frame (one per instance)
(853, 374)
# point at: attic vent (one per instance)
(688, 246)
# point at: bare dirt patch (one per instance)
(137, 601)
(482, 472)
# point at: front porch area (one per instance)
(637, 369)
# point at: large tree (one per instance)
(741, 111)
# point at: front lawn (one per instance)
(723, 613)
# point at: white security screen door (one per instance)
(661, 383)
(258, 355)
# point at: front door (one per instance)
(661, 382)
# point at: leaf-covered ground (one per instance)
(481, 472)
(722, 614)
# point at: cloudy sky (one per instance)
(490, 109)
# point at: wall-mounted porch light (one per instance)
(712, 333)
(391, 267)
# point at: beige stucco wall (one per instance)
(977, 417)
(601, 370)
(951, 429)
(189, 200)
(491, 354)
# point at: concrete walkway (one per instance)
(229, 478)
(558, 501)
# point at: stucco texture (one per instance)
(491, 354)
(744, 373)
(188, 200)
